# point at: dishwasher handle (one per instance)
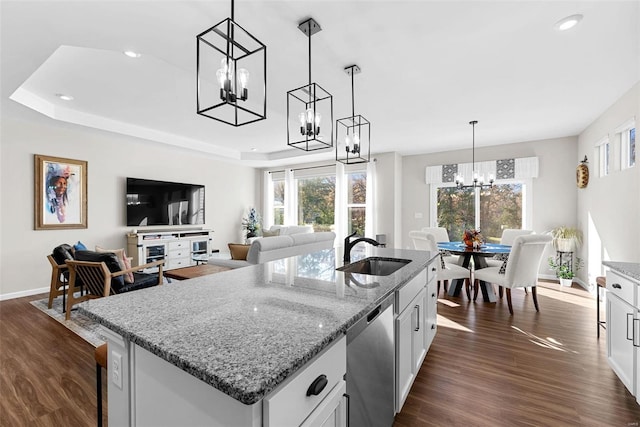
(373, 314)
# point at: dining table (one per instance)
(479, 255)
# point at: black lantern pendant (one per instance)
(353, 134)
(225, 54)
(307, 106)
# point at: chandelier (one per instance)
(478, 179)
(306, 107)
(355, 131)
(224, 54)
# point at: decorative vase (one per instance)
(566, 282)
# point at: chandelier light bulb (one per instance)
(243, 77)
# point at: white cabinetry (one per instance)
(415, 327)
(178, 248)
(623, 329)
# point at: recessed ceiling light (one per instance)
(254, 149)
(569, 22)
(131, 54)
(64, 97)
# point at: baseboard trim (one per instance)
(21, 294)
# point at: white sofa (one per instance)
(285, 230)
(271, 248)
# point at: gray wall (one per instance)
(230, 190)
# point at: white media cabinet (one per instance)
(177, 247)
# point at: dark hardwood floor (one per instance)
(484, 367)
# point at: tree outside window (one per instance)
(316, 201)
(356, 202)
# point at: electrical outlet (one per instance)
(417, 215)
(116, 369)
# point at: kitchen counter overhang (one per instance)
(245, 331)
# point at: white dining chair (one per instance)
(508, 236)
(442, 235)
(521, 270)
(445, 271)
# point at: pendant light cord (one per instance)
(353, 102)
(309, 35)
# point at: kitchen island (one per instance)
(217, 349)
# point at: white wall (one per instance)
(609, 207)
(230, 190)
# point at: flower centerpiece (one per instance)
(251, 223)
(472, 238)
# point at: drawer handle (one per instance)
(433, 269)
(433, 326)
(317, 385)
(616, 286)
(418, 323)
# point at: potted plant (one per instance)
(563, 272)
(251, 223)
(566, 239)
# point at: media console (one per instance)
(177, 247)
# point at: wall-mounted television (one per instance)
(151, 202)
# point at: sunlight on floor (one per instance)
(443, 322)
(550, 343)
(448, 302)
(566, 296)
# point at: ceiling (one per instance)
(428, 68)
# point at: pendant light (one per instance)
(226, 91)
(309, 108)
(353, 133)
(478, 179)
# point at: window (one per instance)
(316, 202)
(278, 201)
(628, 145)
(490, 210)
(604, 152)
(356, 202)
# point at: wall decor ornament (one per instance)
(60, 193)
(582, 173)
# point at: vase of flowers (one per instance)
(472, 238)
(251, 223)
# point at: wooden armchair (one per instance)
(59, 281)
(97, 280)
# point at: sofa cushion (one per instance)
(265, 245)
(62, 253)
(270, 233)
(122, 260)
(111, 261)
(140, 281)
(238, 251)
(304, 238)
(292, 229)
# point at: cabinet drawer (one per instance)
(409, 291)
(622, 287)
(178, 245)
(177, 263)
(288, 404)
(179, 253)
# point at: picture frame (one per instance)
(60, 193)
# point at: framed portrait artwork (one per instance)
(60, 193)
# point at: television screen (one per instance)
(152, 202)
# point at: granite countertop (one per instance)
(631, 269)
(245, 331)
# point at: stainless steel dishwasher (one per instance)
(371, 368)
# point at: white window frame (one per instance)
(623, 135)
(603, 148)
(354, 205)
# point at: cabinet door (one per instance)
(331, 412)
(404, 367)
(620, 350)
(418, 344)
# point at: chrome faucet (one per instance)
(348, 245)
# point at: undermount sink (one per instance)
(375, 266)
